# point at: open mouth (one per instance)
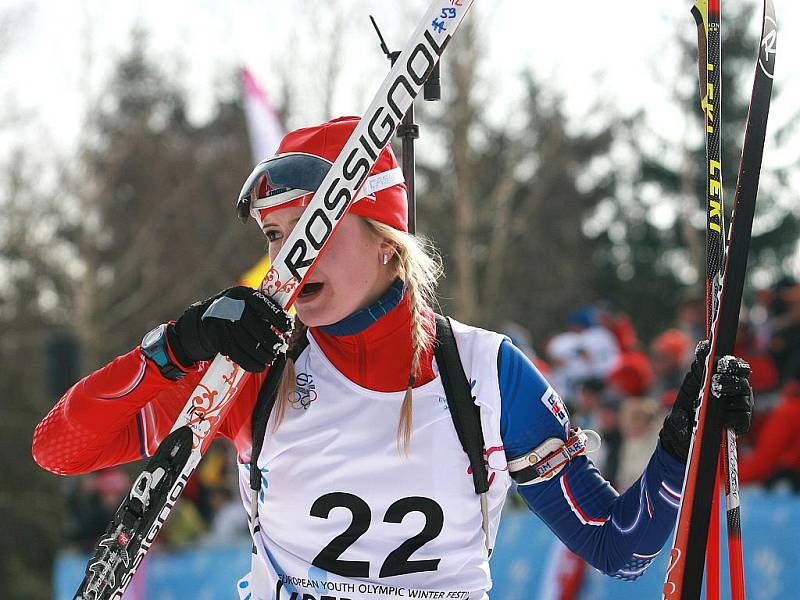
(310, 289)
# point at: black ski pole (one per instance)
(408, 130)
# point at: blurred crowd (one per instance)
(610, 380)
(620, 387)
(209, 512)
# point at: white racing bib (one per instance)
(345, 516)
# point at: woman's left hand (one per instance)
(730, 385)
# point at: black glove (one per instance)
(240, 323)
(730, 385)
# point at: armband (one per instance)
(547, 460)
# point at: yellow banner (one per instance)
(254, 276)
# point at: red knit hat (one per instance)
(674, 345)
(303, 159)
(632, 374)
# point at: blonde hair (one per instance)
(415, 262)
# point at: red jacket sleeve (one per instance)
(122, 411)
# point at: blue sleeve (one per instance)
(618, 534)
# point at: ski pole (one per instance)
(408, 131)
(685, 571)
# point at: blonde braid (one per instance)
(419, 267)
(420, 338)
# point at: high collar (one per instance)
(373, 347)
(361, 319)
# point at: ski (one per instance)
(141, 515)
(685, 571)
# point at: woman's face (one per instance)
(349, 275)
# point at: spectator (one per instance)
(184, 526)
(784, 327)
(212, 473)
(672, 352)
(691, 317)
(588, 402)
(599, 348)
(521, 338)
(608, 427)
(764, 376)
(586, 351)
(229, 524)
(619, 324)
(600, 408)
(92, 504)
(776, 454)
(632, 375)
(639, 424)
(568, 368)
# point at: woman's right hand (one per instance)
(241, 323)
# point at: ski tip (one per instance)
(769, 39)
(700, 13)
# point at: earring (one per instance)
(386, 259)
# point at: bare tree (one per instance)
(461, 121)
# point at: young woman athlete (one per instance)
(366, 492)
